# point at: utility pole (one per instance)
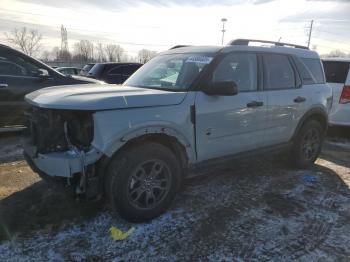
(310, 32)
(223, 20)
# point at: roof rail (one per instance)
(247, 41)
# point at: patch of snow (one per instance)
(251, 214)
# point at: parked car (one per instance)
(85, 70)
(113, 73)
(70, 71)
(337, 72)
(20, 75)
(184, 111)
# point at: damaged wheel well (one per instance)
(168, 141)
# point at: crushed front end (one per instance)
(57, 144)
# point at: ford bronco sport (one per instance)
(187, 109)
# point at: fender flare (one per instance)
(119, 142)
(313, 112)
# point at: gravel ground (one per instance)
(260, 210)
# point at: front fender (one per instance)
(117, 142)
(113, 129)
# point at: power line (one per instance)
(331, 33)
(332, 40)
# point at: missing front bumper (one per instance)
(61, 164)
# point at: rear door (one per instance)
(286, 98)
(227, 125)
(18, 77)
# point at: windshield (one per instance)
(173, 72)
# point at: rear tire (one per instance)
(308, 144)
(142, 181)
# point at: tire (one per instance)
(142, 181)
(308, 144)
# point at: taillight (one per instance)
(345, 95)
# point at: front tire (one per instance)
(142, 181)
(308, 144)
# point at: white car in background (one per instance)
(337, 71)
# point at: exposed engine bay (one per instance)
(59, 130)
(68, 131)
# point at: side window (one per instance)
(129, 70)
(305, 74)
(8, 68)
(315, 68)
(14, 65)
(336, 72)
(118, 70)
(240, 68)
(279, 73)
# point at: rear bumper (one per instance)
(60, 164)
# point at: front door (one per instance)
(18, 77)
(227, 125)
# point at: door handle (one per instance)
(4, 85)
(255, 104)
(299, 99)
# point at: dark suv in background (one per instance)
(86, 68)
(21, 74)
(113, 73)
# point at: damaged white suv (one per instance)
(187, 109)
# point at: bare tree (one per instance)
(145, 55)
(45, 56)
(100, 53)
(84, 50)
(56, 53)
(28, 40)
(114, 53)
(335, 53)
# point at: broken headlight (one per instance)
(55, 130)
(80, 129)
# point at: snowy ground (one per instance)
(258, 211)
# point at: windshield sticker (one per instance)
(199, 59)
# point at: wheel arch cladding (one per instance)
(318, 114)
(168, 141)
(161, 134)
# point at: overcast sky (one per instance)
(158, 25)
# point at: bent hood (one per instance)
(101, 97)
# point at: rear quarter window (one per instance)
(314, 67)
(96, 70)
(336, 72)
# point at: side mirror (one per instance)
(223, 88)
(43, 73)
